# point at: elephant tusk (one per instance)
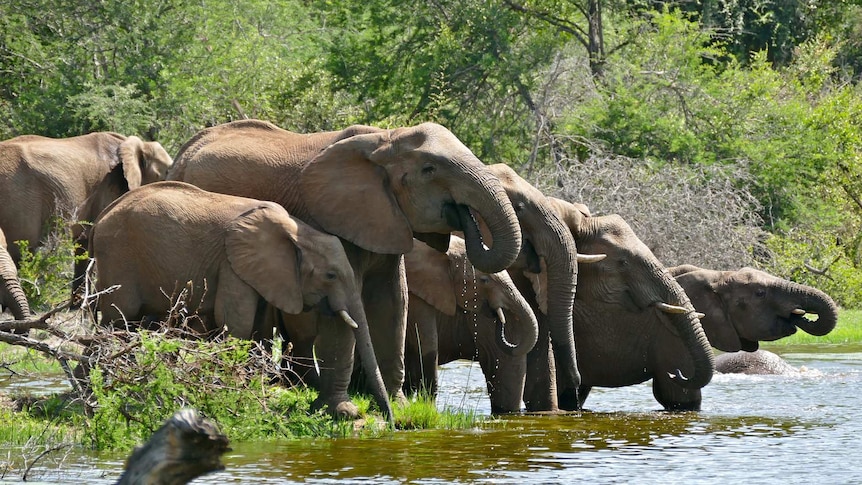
(501, 316)
(677, 375)
(798, 311)
(699, 315)
(591, 258)
(667, 308)
(346, 317)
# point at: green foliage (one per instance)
(46, 273)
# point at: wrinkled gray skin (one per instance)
(240, 255)
(746, 306)
(11, 295)
(73, 178)
(548, 253)
(454, 314)
(759, 362)
(624, 331)
(376, 189)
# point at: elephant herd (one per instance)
(382, 254)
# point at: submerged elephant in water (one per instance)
(758, 362)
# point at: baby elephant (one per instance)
(236, 256)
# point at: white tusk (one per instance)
(346, 317)
(798, 311)
(591, 258)
(677, 375)
(501, 316)
(699, 315)
(670, 308)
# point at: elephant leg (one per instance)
(301, 331)
(235, 304)
(334, 347)
(583, 392)
(421, 357)
(540, 387)
(384, 295)
(674, 397)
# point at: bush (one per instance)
(46, 274)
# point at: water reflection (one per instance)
(758, 429)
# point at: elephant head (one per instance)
(378, 189)
(450, 284)
(548, 250)
(457, 312)
(11, 294)
(746, 306)
(618, 298)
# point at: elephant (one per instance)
(456, 312)
(77, 177)
(759, 362)
(237, 255)
(632, 320)
(374, 188)
(548, 251)
(11, 294)
(747, 306)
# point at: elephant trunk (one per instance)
(365, 350)
(812, 300)
(12, 295)
(560, 255)
(694, 338)
(493, 205)
(527, 328)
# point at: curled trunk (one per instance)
(691, 332)
(814, 301)
(526, 328)
(497, 212)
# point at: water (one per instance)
(757, 429)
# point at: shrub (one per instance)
(47, 272)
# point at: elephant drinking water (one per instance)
(376, 189)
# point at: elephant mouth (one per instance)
(783, 327)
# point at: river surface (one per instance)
(798, 429)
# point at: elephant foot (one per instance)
(399, 398)
(568, 400)
(338, 409)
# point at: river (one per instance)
(798, 429)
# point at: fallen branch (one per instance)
(185, 447)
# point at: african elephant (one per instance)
(746, 306)
(632, 320)
(548, 252)
(75, 177)
(375, 189)
(11, 294)
(758, 362)
(457, 312)
(236, 253)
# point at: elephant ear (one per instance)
(261, 248)
(704, 290)
(428, 277)
(131, 156)
(350, 196)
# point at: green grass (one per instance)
(848, 330)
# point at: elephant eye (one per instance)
(331, 275)
(428, 169)
(760, 293)
(519, 206)
(484, 279)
